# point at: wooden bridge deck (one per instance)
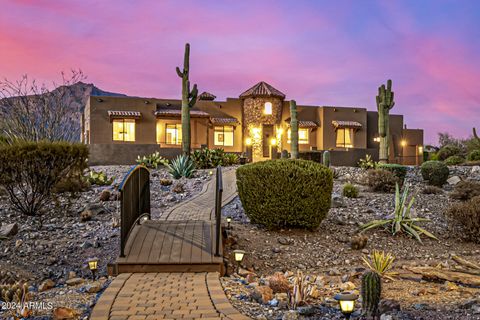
(171, 246)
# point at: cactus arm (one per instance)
(475, 134)
(179, 73)
(193, 96)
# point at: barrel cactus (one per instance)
(371, 293)
(384, 104)
(326, 158)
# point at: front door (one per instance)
(267, 137)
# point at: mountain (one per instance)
(80, 91)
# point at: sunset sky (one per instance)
(317, 52)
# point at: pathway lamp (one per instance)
(346, 300)
(93, 266)
(229, 220)
(238, 256)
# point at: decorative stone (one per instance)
(63, 313)
(262, 294)
(337, 201)
(290, 315)
(74, 281)
(46, 285)
(93, 287)
(9, 230)
(453, 180)
(347, 286)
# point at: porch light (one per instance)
(248, 141)
(280, 131)
(420, 149)
(238, 257)
(93, 265)
(346, 300)
(273, 141)
(376, 139)
(403, 143)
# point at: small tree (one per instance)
(32, 112)
(189, 98)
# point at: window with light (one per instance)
(344, 138)
(267, 108)
(173, 133)
(223, 136)
(302, 136)
(123, 130)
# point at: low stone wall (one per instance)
(125, 154)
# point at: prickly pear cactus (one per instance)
(326, 158)
(189, 98)
(385, 103)
(371, 293)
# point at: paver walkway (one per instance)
(144, 296)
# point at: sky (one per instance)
(317, 52)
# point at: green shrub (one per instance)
(398, 170)
(99, 178)
(380, 180)
(468, 215)
(449, 150)
(153, 160)
(73, 182)
(433, 156)
(285, 192)
(474, 155)
(367, 163)
(231, 159)
(432, 190)
(211, 158)
(454, 160)
(181, 166)
(435, 172)
(29, 171)
(466, 190)
(350, 191)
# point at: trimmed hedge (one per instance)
(285, 192)
(29, 171)
(398, 170)
(435, 172)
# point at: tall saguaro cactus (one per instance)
(188, 100)
(384, 104)
(293, 129)
(475, 135)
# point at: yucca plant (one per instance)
(381, 263)
(401, 220)
(181, 166)
(299, 292)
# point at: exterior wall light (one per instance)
(248, 141)
(273, 141)
(93, 265)
(238, 256)
(377, 139)
(346, 300)
(420, 149)
(403, 143)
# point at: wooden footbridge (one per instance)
(148, 245)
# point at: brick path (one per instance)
(145, 296)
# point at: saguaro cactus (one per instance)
(384, 104)
(188, 100)
(475, 135)
(371, 293)
(293, 129)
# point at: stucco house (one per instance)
(118, 129)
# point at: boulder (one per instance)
(8, 230)
(95, 208)
(453, 180)
(337, 201)
(262, 294)
(290, 315)
(46, 285)
(93, 287)
(64, 313)
(74, 281)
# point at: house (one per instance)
(118, 129)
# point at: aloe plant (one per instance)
(181, 166)
(401, 220)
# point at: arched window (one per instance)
(268, 108)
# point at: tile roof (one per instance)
(346, 124)
(178, 113)
(224, 121)
(124, 114)
(262, 89)
(304, 123)
(206, 96)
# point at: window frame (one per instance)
(123, 121)
(223, 132)
(270, 108)
(300, 141)
(178, 127)
(344, 144)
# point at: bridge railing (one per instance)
(218, 209)
(134, 201)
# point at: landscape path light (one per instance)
(238, 256)
(93, 266)
(229, 219)
(347, 302)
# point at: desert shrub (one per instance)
(432, 190)
(474, 155)
(350, 191)
(435, 172)
(29, 171)
(181, 166)
(153, 160)
(285, 192)
(398, 170)
(449, 150)
(466, 190)
(472, 163)
(367, 163)
(468, 215)
(99, 178)
(231, 159)
(211, 158)
(454, 160)
(73, 182)
(381, 180)
(166, 182)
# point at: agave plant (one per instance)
(402, 219)
(381, 263)
(181, 166)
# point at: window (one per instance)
(344, 138)
(268, 108)
(302, 136)
(173, 134)
(223, 136)
(123, 130)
